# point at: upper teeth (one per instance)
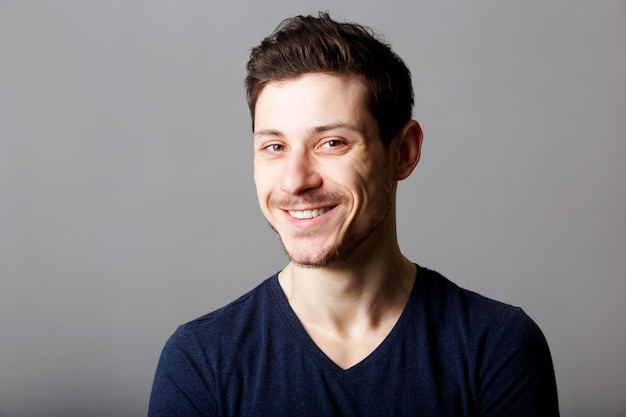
(307, 214)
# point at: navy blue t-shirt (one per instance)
(451, 353)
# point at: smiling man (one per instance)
(349, 327)
(323, 175)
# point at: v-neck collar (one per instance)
(320, 357)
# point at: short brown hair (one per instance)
(309, 44)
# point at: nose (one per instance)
(300, 173)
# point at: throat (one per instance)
(347, 316)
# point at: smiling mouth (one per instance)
(308, 214)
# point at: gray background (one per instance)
(127, 204)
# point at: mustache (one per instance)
(312, 199)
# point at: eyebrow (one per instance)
(313, 130)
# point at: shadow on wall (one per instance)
(595, 414)
(70, 411)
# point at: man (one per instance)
(350, 327)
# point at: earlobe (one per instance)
(407, 148)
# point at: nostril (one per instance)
(300, 175)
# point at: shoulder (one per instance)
(231, 321)
(478, 325)
(193, 351)
(432, 282)
(188, 370)
(503, 348)
(446, 299)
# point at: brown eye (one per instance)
(275, 147)
(333, 143)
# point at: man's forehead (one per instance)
(319, 100)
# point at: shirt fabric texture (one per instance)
(451, 353)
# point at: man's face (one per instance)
(320, 168)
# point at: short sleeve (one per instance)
(184, 381)
(516, 374)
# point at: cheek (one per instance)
(261, 174)
(262, 191)
(370, 186)
(360, 185)
(266, 172)
(367, 176)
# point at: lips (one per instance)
(308, 214)
(308, 206)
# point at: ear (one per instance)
(405, 150)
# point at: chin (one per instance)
(326, 257)
(309, 260)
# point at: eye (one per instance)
(275, 147)
(332, 143)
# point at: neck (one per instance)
(359, 293)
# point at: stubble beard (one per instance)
(350, 243)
